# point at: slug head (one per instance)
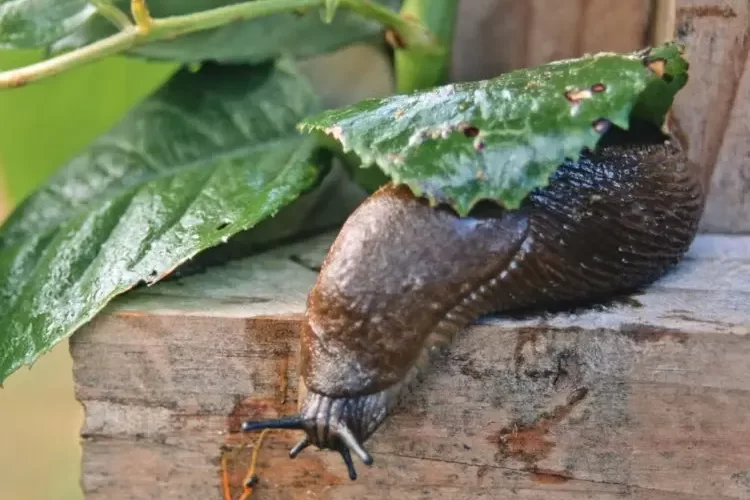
(340, 424)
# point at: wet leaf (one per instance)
(210, 154)
(499, 139)
(98, 95)
(297, 33)
(35, 23)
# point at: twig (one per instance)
(114, 44)
(225, 479)
(251, 478)
(149, 29)
(141, 14)
(112, 14)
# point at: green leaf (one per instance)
(299, 34)
(35, 23)
(330, 10)
(97, 95)
(499, 139)
(655, 102)
(210, 154)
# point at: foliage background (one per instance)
(41, 126)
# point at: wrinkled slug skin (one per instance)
(402, 276)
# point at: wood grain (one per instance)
(645, 397)
(712, 111)
(495, 36)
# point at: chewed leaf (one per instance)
(499, 139)
(665, 61)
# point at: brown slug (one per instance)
(402, 277)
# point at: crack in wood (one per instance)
(627, 487)
(698, 11)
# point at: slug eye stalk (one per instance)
(329, 434)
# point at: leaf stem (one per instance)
(130, 36)
(112, 13)
(417, 69)
(111, 45)
(139, 11)
(167, 27)
(413, 34)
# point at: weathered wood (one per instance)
(495, 36)
(642, 398)
(713, 110)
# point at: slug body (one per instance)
(402, 277)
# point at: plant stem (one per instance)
(112, 13)
(139, 11)
(415, 68)
(169, 27)
(415, 35)
(111, 45)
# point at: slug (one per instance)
(403, 277)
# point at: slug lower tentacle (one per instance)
(403, 277)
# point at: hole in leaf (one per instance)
(598, 87)
(471, 131)
(657, 66)
(223, 225)
(576, 96)
(601, 125)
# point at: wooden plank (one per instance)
(641, 398)
(489, 39)
(619, 26)
(496, 36)
(551, 31)
(711, 112)
(728, 207)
